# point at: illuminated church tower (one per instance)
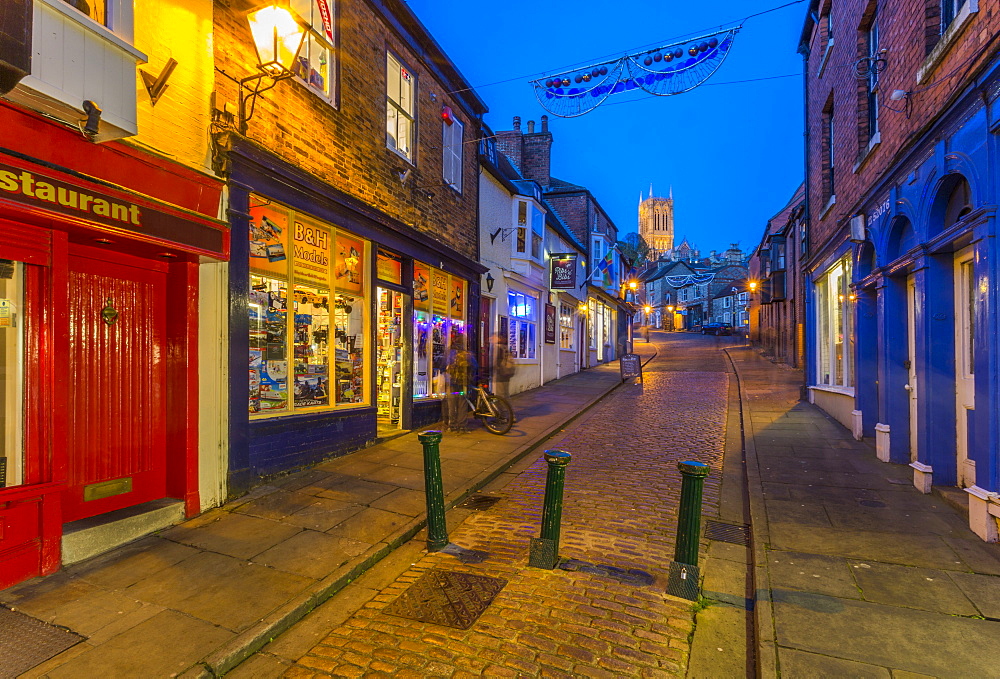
(656, 223)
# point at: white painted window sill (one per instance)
(844, 391)
(873, 144)
(824, 59)
(829, 204)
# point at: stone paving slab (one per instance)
(857, 574)
(199, 597)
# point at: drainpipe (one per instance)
(806, 217)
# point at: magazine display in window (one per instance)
(268, 345)
(348, 273)
(438, 317)
(306, 338)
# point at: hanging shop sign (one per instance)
(123, 212)
(389, 267)
(563, 271)
(550, 324)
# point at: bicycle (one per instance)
(493, 411)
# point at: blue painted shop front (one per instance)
(344, 313)
(922, 305)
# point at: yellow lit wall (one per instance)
(177, 127)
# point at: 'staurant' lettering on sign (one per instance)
(148, 217)
(28, 185)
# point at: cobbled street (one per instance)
(621, 499)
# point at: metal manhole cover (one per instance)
(480, 502)
(871, 503)
(447, 598)
(727, 532)
(26, 642)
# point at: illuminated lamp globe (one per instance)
(277, 36)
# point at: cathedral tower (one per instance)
(656, 223)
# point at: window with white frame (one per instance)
(566, 334)
(522, 310)
(521, 243)
(727, 302)
(871, 82)
(400, 113)
(596, 256)
(315, 61)
(537, 232)
(452, 132)
(834, 330)
(949, 10)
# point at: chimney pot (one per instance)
(517, 123)
(531, 127)
(545, 123)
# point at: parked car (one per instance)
(717, 329)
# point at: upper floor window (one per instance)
(828, 151)
(871, 81)
(537, 232)
(521, 245)
(400, 113)
(452, 131)
(95, 9)
(315, 63)
(949, 10)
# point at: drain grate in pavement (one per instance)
(480, 502)
(737, 534)
(447, 598)
(871, 503)
(630, 576)
(26, 642)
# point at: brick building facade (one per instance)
(777, 311)
(353, 201)
(901, 271)
(582, 214)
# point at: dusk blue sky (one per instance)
(732, 152)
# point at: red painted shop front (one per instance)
(99, 254)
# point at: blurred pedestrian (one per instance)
(461, 371)
(503, 367)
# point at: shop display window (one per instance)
(438, 320)
(566, 333)
(307, 350)
(11, 373)
(521, 330)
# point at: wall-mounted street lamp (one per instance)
(277, 36)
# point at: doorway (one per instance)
(965, 382)
(911, 362)
(390, 375)
(117, 384)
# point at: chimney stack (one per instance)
(545, 123)
(517, 123)
(531, 127)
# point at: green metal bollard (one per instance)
(437, 529)
(684, 576)
(545, 549)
